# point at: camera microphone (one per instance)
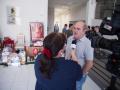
(73, 45)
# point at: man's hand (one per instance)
(88, 65)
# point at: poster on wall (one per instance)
(12, 15)
(36, 31)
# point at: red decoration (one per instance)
(35, 51)
(8, 41)
(47, 52)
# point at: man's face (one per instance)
(96, 29)
(78, 31)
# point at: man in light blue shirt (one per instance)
(83, 51)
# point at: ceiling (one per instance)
(64, 5)
(67, 3)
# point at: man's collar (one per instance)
(82, 39)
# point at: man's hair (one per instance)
(65, 25)
(85, 27)
(70, 25)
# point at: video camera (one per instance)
(110, 26)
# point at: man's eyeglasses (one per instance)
(76, 28)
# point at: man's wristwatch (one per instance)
(84, 74)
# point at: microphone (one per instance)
(73, 45)
(73, 51)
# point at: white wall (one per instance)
(96, 22)
(0, 24)
(90, 11)
(50, 20)
(30, 11)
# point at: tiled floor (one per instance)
(23, 78)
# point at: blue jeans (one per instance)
(80, 83)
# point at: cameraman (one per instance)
(83, 51)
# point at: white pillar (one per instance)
(50, 20)
(90, 14)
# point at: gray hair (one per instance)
(85, 27)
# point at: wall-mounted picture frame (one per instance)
(36, 31)
(13, 15)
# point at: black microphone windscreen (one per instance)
(74, 42)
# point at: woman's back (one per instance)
(63, 78)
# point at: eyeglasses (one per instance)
(77, 29)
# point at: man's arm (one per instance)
(89, 56)
(88, 65)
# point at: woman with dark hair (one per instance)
(52, 71)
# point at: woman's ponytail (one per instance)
(52, 44)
